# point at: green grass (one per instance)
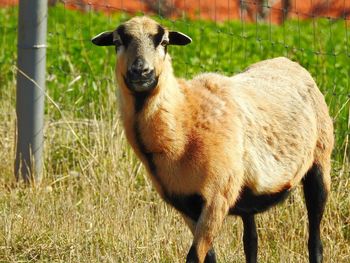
(96, 203)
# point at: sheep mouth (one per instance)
(141, 84)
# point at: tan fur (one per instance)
(213, 135)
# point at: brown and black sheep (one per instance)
(214, 145)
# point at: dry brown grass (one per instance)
(95, 204)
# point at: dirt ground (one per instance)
(219, 10)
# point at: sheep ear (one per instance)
(178, 38)
(103, 39)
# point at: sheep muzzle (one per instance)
(141, 82)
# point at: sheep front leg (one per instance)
(211, 256)
(207, 227)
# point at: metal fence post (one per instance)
(31, 63)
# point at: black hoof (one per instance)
(192, 256)
(210, 257)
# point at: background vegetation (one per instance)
(96, 203)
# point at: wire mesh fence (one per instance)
(228, 37)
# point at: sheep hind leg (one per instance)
(315, 193)
(250, 238)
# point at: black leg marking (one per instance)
(315, 198)
(250, 203)
(189, 205)
(250, 239)
(210, 257)
(192, 256)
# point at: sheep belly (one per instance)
(280, 124)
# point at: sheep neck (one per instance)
(155, 124)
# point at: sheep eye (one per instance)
(164, 43)
(117, 44)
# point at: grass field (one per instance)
(96, 203)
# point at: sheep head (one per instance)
(141, 46)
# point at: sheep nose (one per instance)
(140, 68)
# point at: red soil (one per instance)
(306, 9)
(217, 10)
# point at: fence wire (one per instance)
(227, 37)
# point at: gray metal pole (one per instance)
(31, 62)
